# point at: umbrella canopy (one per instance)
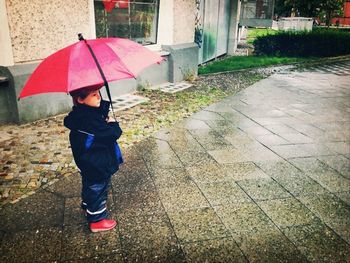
(74, 67)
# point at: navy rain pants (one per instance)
(94, 198)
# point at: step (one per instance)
(169, 87)
(127, 101)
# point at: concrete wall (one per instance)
(38, 28)
(183, 60)
(31, 108)
(184, 21)
(8, 104)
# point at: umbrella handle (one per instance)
(110, 98)
(81, 38)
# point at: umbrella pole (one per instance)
(81, 38)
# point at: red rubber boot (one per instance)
(103, 225)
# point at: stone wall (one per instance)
(38, 28)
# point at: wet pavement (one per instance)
(262, 176)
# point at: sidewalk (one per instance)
(262, 176)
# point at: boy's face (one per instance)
(92, 100)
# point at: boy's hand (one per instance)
(110, 119)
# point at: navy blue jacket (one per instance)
(93, 141)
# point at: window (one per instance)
(133, 19)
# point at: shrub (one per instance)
(317, 43)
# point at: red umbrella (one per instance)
(109, 5)
(89, 63)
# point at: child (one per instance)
(93, 139)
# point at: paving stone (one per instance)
(280, 129)
(238, 138)
(48, 244)
(243, 171)
(323, 174)
(210, 139)
(130, 204)
(150, 239)
(132, 176)
(277, 120)
(73, 213)
(310, 165)
(318, 243)
(219, 107)
(316, 149)
(334, 136)
(345, 196)
(287, 212)
(244, 217)
(290, 151)
(215, 250)
(255, 130)
(270, 140)
(296, 138)
(112, 257)
(167, 178)
(309, 129)
(331, 210)
(263, 189)
(339, 147)
(18, 247)
(163, 160)
(40, 210)
(68, 186)
(258, 153)
(192, 124)
(338, 163)
(180, 140)
(269, 247)
(207, 173)
(299, 184)
(182, 198)
(197, 225)
(278, 168)
(89, 245)
(190, 158)
(206, 115)
(219, 193)
(228, 156)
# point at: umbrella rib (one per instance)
(122, 63)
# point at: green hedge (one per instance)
(316, 43)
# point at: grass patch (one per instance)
(253, 33)
(243, 62)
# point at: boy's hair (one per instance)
(83, 93)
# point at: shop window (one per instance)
(133, 19)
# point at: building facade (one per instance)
(31, 30)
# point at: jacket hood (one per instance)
(82, 112)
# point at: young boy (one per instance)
(93, 139)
